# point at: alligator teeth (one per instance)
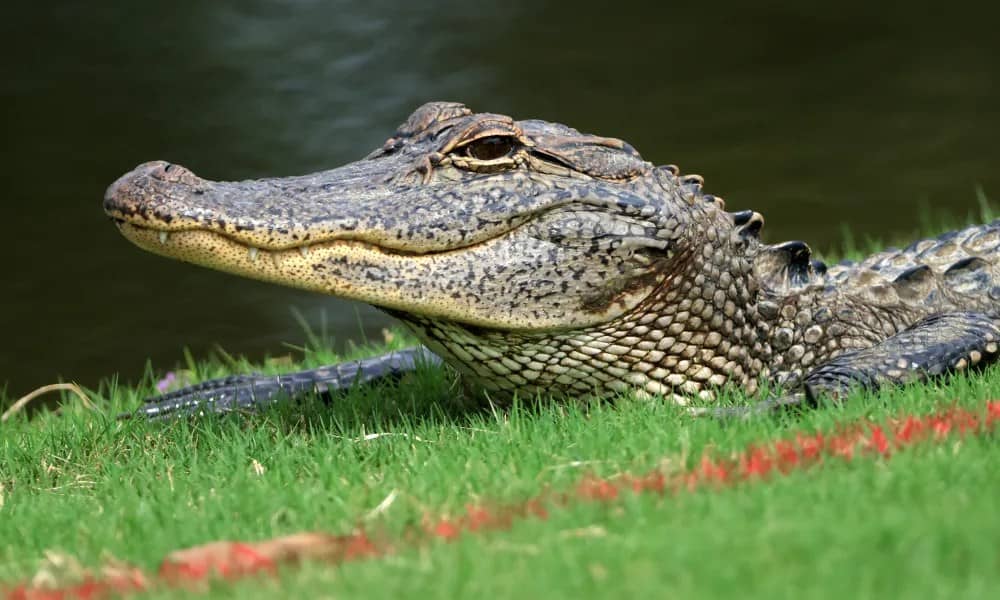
(252, 253)
(304, 251)
(164, 236)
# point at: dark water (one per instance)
(817, 117)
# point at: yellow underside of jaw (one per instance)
(406, 287)
(411, 283)
(292, 267)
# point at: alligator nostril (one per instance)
(167, 167)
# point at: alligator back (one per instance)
(959, 270)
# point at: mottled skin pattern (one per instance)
(536, 259)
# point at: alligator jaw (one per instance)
(360, 268)
(468, 218)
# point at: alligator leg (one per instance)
(933, 346)
(251, 392)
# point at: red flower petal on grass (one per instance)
(967, 423)
(910, 430)
(536, 509)
(842, 446)
(595, 488)
(811, 446)
(787, 455)
(478, 518)
(23, 592)
(446, 530)
(654, 482)
(245, 559)
(940, 426)
(878, 442)
(126, 580)
(992, 413)
(238, 559)
(714, 471)
(184, 571)
(756, 463)
(359, 545)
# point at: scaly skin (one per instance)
(536, 259)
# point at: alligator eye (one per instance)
(490, 148)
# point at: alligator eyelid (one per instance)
(484, 128)
(488, 127)
(516, 140)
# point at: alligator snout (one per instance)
(130, 194)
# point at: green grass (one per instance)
(923, 524)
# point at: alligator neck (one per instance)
(697, 331)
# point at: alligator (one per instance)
(536, 259)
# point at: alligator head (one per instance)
(502, 242)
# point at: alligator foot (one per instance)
(936, 345)
(253, 392)
(933, 346)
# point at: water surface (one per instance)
(851, 116)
